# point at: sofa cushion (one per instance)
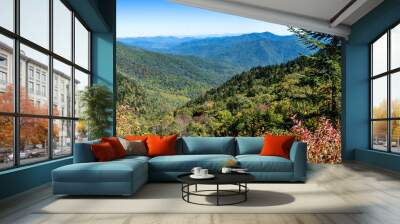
(249, 145)
(133, 157)
(208, 145)
(257, 163)
(185, 163)
(112, 171)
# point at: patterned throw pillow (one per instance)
(136, 148)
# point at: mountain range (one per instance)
(242, 51)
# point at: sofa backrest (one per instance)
(191, 146)
(249, 145)
(208, 145)
(83, 152)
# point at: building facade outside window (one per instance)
(385, 91)
(44, 117)
(3, 72)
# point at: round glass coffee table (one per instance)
(238, 179)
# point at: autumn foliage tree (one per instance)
(380, 128)
(6, 122)
(323, 143)
(33, 131)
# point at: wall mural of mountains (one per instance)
(189, 71)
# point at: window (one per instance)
(81, 45)
(48, 75)
(34, 146)
(3, 72)
(3, 78)
(44, 91)
(81, 131)
(81, 82)
(385, 92)
(6, 73)
(62, 74)
(6, 142)
(62, 29)
(55, 101)
(7, 14)
(35, 21)
(395, 47)
(37, 89)
(3, 61)
(30, 88)
(31, 76)
(62, 137)
(37, 74)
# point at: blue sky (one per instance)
(163, 18)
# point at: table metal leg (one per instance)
(182, 189)
(195, 188)
(188, 190)
(217, 194)
(245, 193)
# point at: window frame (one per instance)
(388, 74)
(16, 114)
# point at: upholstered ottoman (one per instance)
(119, 177)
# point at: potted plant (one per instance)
(97, 104)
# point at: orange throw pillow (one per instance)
(136, 138)
(116, 145)
(277, 146)
(161, 145)
(103, 152)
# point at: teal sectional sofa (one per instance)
(125, 176)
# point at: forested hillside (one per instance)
(260, 100)
(177, 75)
(264, 99)
(152, 85)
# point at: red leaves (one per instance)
(323, 144)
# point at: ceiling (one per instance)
(327, 16)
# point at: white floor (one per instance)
(377, 190)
